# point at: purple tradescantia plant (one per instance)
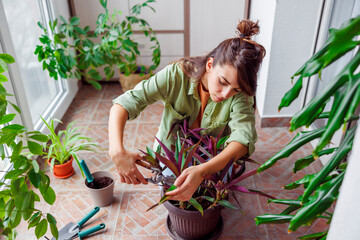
(193, 148)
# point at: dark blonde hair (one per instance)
(241, 52)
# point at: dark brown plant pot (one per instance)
(64, 170)
(187, 224)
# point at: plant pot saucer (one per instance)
(65, 176)
(214, 235)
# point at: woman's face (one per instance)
(220, 81)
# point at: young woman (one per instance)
(212, 92)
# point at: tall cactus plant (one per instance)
(322, 188)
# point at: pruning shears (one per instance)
(158, 176)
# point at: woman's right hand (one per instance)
(125, 164)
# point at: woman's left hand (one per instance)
(187, 183)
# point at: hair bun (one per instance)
(246, 29)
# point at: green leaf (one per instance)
(48, 194)
(163, 198)
(210, 199)
(273, 218)
(80, 30)
(40, 25)
(19, 199)
(54, 230)
(34, 220)
(344, 148)
(2, 208)
(35, 165)
(39, 137)
(15, 107)
(227, 204)
(166, 197)
(15, 218)
(51, 219)
(306, 161)
(322, 200)
(304, 180)
(35, 178)
(27, 206)
(16, 183)
(196, 205)
(7, 58)
(314, 236)
(150, 152)
(17, 149)
(75, 21)
(35, 148)
(3, 78)
(299, 140)
(41, 228)
(337, 120)
(3, 66)
(221, 141)
(14, 127)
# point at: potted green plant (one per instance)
(70, 50)
(17, 188)
(64, 146)
(321, 189)
(200, 217)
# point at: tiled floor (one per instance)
(127, 218)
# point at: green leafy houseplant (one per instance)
(321, 189)
(17, 195)
(65, 144)
(70, 50)
(193, 148)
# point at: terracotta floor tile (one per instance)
(88, 93)
(111, 91)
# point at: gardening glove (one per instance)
(187, 183)
(125, 164)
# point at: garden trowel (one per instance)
(72, 230)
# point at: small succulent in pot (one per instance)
(192, 148)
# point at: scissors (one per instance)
(158, 176)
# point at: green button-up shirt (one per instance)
(181, 100)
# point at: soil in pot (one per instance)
(99, 182)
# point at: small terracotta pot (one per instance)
(64, 170)
(186, 224)
(104, 196)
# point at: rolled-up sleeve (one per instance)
(242, 122)
(146, 92)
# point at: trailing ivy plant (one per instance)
(71, 51)
(25, 181)
(321, 189)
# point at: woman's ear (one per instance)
(209, 64)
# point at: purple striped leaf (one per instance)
(168, 153)
(242, 177)
(169, 164)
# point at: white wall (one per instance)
(288, 31)
(169, 15)
(345, 222)
(264, 12)
(211, 22)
